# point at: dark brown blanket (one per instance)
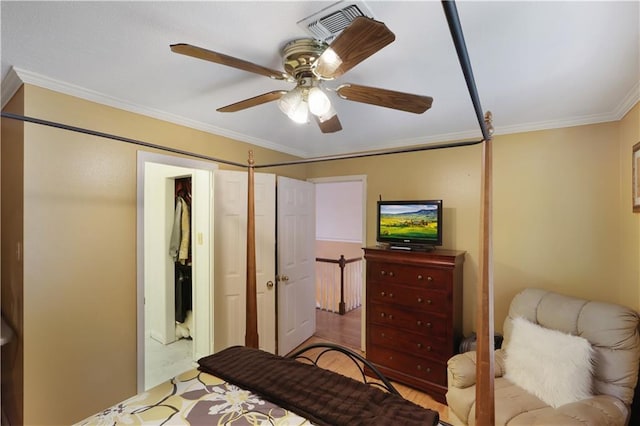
(321, 396)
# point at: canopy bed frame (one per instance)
(484, 297)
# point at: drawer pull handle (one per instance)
(382, 293)
(429, 278)
(428, 348)
(419, 299)
(419, 345)
(419, 367)
(420, 277)
(419, 323)
(390, 316)
(390, 294)
(382, 335)
(391, 274)
(428, 301)
(382, 314)
(429, 324)
(383, 273)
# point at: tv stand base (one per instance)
(411, 247)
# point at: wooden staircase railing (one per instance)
(354, 286)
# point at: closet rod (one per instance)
(117, 138)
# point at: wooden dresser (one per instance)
(414, 315)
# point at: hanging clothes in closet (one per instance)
(180, 248)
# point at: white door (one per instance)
(296, 263)
(230, 224)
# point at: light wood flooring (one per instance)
(341, 329)
(345, 330)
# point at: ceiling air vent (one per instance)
(328, 23)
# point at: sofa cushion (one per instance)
(554, 366)
(515, 406)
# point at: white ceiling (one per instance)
(536, 64)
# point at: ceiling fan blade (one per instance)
(385, 98)
(255, 101)
(230, 61)
(361, 39)
(330, 125)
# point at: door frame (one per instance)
(363, 180)
(144, 157)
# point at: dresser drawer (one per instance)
(432, 371)
(411, 297)
(409, 275)
(428, 324)
(416, 344)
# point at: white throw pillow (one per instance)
(554, 366)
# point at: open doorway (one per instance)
(164, 349)
(340, 237)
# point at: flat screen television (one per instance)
(410, 225)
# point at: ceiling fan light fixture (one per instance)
(319, 103)
(300, 114)
(293, 104)
(290, 100)
(326, 64)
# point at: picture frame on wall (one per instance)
(635, 173)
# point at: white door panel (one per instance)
(230, 225)
(265, 220)
(230, 247)
(296, 263)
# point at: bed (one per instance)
(241, 385)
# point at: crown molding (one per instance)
(10, 86)
(632, 98)
(16, 77)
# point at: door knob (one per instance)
(282, 278)
(269, 285)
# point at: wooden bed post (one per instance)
(251, 336)
(485, 402)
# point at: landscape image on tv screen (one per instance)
(409, 221)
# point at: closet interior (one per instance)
(180, 251)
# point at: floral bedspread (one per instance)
(195, 398)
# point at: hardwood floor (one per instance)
(341, 329)
(345, 330)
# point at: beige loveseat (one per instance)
(612, 331)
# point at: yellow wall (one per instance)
(12, 172)
(556, 209)
(80, 249)
(629, 222)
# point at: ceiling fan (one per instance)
(308, 63)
